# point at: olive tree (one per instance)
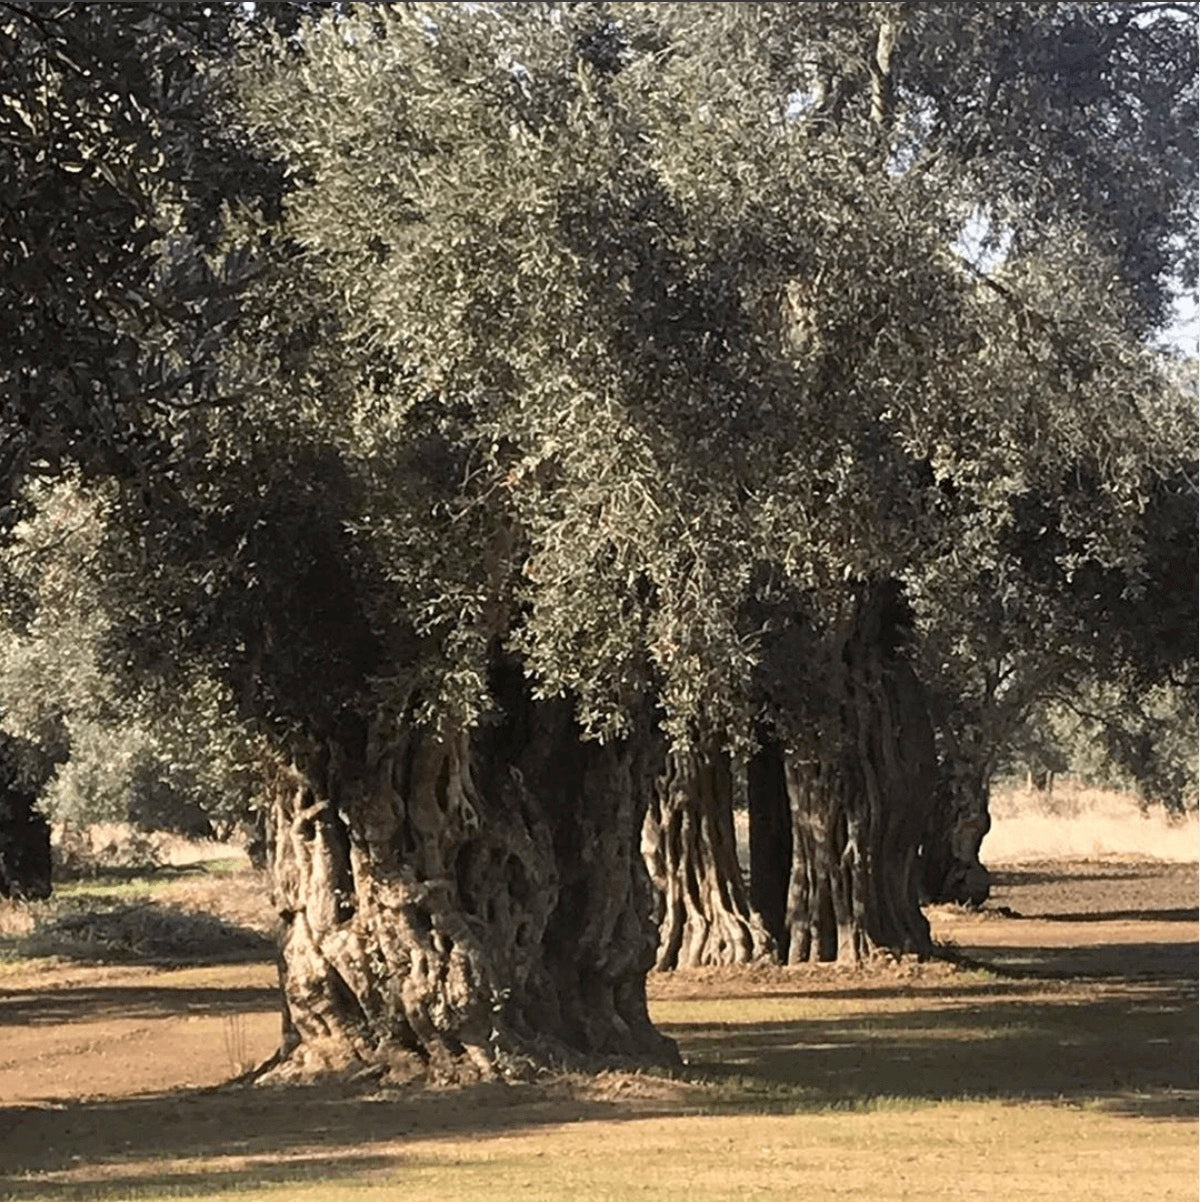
(609, 330)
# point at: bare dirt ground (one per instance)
(1057, 1045)
(1118, 919)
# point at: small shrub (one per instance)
(82, 852)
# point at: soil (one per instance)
(1114, 918)
(104, 1061)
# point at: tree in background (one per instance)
(171, 757)
(841, 786)
(1000, 376)
(24, 831)
(113, 175)
(1052, 627)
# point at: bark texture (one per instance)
(951, 870)
(464, 906)
(688, 841)
(859, 776)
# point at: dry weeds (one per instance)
(1072, 821)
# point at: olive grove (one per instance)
(533, 420)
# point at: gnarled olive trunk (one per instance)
(857, 822)
(464, 905)
(859, 780)
(951, 870)
(690, 849)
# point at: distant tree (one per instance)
(847, 754)
(703, 912)
(1055, 624)
(168, 757)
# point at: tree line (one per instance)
(493, 440)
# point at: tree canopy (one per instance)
(576, 325)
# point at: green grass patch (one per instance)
(87, 889)
(134, 882)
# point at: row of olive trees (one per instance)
(515, 415)
(87, 752)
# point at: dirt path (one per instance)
(86, 1033)
(1112, 918)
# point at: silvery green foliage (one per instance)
(580, 323)
(578, 329)
(1047, 648)
(171, 756)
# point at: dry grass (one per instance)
(117, 844)
(16, 919)
(954, 1152)
(1074, 821)
(213, 911)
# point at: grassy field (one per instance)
(1055, 1058)
(949, 1151)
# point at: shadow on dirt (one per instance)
(1108, 1026)
(1128, 1050)
(1172, 915)
(89, 1003)
(272, 1133)
(1016, 877)
(1010, 1048)
(204, 1183)
(1082, 892)
(1133, 962)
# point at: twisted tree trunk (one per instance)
(690, 849)
(859, 779)
(951, 870)
(464, 906)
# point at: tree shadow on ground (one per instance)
(1170, 915)
(1070, 1050)
(1009, 877)
(89, 1003)
(258, 1135)
(1134, 962)
(182, 1182)
(1107, 1044)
